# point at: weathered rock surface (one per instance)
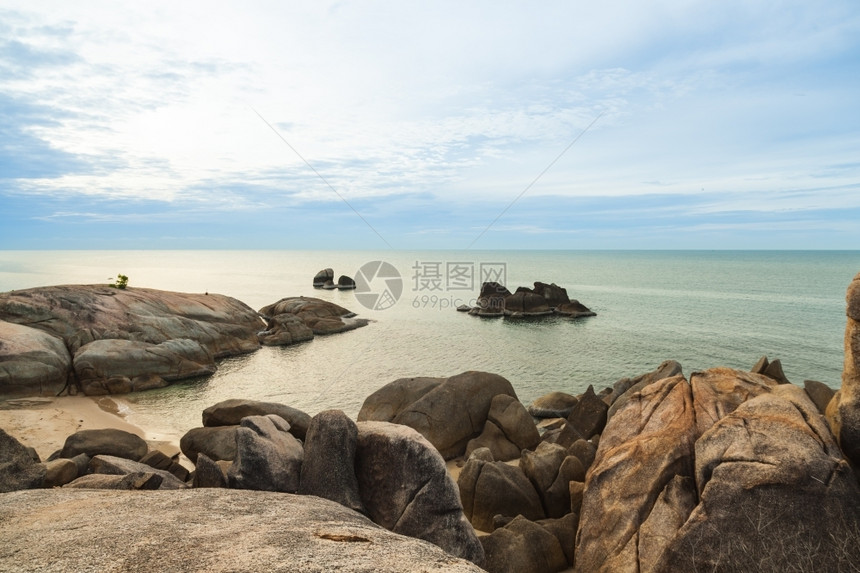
(133, 481)
(488, 489)
(60, 472)
(116, 366)
(553, 405)
(387, 402)
(405, 487)
(78, 315)
(626, 387)
(217, 442)
(775, 493)
(448, 414)
(821, 394)
(718, 391)
(207, 473)
(848, 404)
(512, 418)
(268, 457)
(32, 361)
(112, 465)
(494, 440)
(204, 530)
(285, 329)
(321, 316)
(108, 441)
(588, 417)
(328, 469)
(523, 546)
(18, 469)
(646, 444)
(230, 413)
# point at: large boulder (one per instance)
(514, 421)
(553, 294)
(405, 487)
(230, 413)
(217, 442)
(526, 303)
(491, 300)
(387, 402)
(775, 494)
(553, 405)
(81, 314)
(134, 481)
(588, 417)
(644, 446)
(328, 469)
(212, 530)
(523, 546)
(448, 414)
(18, 468)
(268, 457)
(848, 404)
(717, 392)
(32, 362)
(627, 387)
(118, 366)
(323, 277)
(107, 441)
(490, 488)
(321, 316)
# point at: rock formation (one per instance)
(495, 300)
(320, 316)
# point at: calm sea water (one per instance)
(704, 309)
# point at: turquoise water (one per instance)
(702, 308)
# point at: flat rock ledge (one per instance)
(202, 530)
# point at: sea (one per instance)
(702, 308)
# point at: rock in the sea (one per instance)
(321, 316)
(217, 442)
(113, 366)
(774, 493)
(553, 294)
(18, 469)
(491, 300)
(212, 530)
(32, 362)
(107, 441)
(268, 457)
(79, 315)
(448, 414)
(230, 413)
(526, 303)
(345, 283)
(323, 277)
(496, 488)
(574, 309)
(285, 329)
(644, 446)
(553, 405)
(328, 469)
(405, 487)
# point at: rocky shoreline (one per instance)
(719, 470)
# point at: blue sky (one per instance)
(706, 125)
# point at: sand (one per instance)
(45, 423)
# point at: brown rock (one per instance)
(59, 472)
(321, 316)
(718, 391)
(496, 488)
(523, 546)
(132, 481)
(387, 402)
(18, 469)
(848, 405)
(553, 405)
(494, 440)
(588, 417)
(821, 394)
(285, 329)
(32, 362)
(217, 442)
(626, 387)
(268, 457)
(645, 445)
(514, 421)
(108, 441)
(230, 413)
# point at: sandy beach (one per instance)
(44, 423)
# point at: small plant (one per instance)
(121, 282)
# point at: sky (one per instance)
(430, 125)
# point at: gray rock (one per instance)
(321, 316)
(109, 366)
(589, 415)
(230, 413)
(585, 451)
(553, 405)
(556, 498)
(328, 469)
(212, 530)
(107, 441)
(217, 442)
(207, 473)
(60, 472)
(494, 440)
(345, 283)
(81, 314)
(496, 488)
(564, 529)
(774, 370)
(405, 487)
(32, 362)
(18, 469)
(322, 277)
(449, 414)
(133, 481)
(541, 467)
(111, 465)
(268, 457)
(523, 546)
(387, 402)
(514, 421)
(285, 329)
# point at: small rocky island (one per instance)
(719, 470)
(495, 300)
